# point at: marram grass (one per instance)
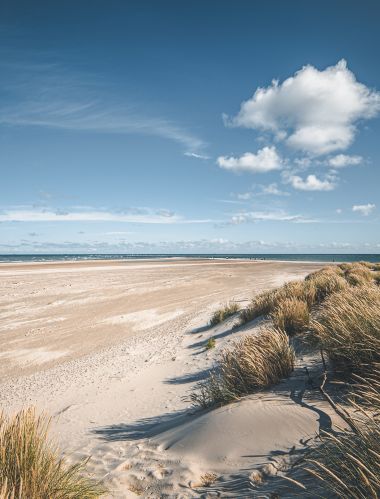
(291, 315)
(30, 465)
(347, 328)
(346, 463)
(253, 363)
(223, 313)
(312, 291)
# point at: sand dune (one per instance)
(116, 366)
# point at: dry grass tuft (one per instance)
(325, 282)
(348, 328)
(262, 304)
(292, 316)
(208, 479)
(347, 463)
(359, 276)
(30, 466)
(313, 290)
(358, 273)
(223, 313)
(265, 303)
(253, 363)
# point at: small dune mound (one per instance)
(226, 436)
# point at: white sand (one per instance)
(113, 349)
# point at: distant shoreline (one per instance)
(277, 257)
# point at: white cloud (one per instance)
(313, 111)
(273, 190)
(136, 215)
(364, 209)
(263, 216)
(195, 155)
(50, 96)
(339, 211)
(312, 183)
(342, 160)
(244, 196)
(265, 160)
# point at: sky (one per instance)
(189, 127)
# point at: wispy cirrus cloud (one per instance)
(266, 216)
(134, 215)
(48, 95)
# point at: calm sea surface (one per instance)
(254, 256)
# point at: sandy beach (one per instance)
(112, 350)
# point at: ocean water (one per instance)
(304, 257)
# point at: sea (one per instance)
(291, 257)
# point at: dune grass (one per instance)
(253, 363)
(210, 343)
(346, 463)
(291, 315)
(347, 328)
(30, 466)
(311, 291)
(223, 313)
(325, 282)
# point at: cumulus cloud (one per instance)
(265, 160)
(342, 160)
(313, 111)
(364, 209)
(311, 183)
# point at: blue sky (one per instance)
(202, 126)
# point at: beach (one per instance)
(112, 350)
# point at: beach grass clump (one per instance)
(346, 463)
(312, 290)
(357, 273)
(253, 363)
(292, 316)
(363, 263)
(347, 328)
(261, 305)
(265, 303)
(324, 282)
(210, 343)
(30, 465)
(208, 479)
(223, 313)
(358, 276)
(376, 278)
